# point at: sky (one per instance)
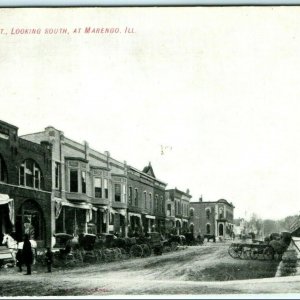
(216, 88)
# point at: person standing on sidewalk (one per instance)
(27, 254)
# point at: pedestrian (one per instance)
(19, 259)
(49, 259)
(27, 255)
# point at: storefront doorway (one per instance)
(30, 220)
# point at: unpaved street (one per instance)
(204, 269)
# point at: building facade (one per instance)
(51, 184)
(25, 187)
(146, 202)
(177, 211)
(212, 218)
(89, 188)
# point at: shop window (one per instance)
(118, 192)
(98, 187)
(30, 174)
(73, 181)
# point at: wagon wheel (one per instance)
(136, 251)
(108, 255)
(234, 252)
(254, 253)
(174, 246)
(246, 254)
(99, 255)
(268, 253)
(117, 253)
(146, 250)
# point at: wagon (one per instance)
(259, 250)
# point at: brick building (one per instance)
(88, 187)
(25, 186)
(212, 218)
(177, 211)
(146, 202)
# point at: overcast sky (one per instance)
(218, 88)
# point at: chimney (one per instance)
(200, 199)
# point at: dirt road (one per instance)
(196, 270)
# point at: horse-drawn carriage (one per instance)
(273, 247)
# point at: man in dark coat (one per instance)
(27, 254)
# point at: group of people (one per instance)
(25, 256)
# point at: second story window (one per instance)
(118, 192)
(105, 183)
(57, 175)
(191, 212)
(145, 199)
(136, 197)
(162, 204)
(130, 195)
(169, 210)
(30, 174)
(207, 213)
(150, 201)
(97, 187)
(3, 170)
(74, 180)
(156, 203)
(83, 182)
(124, 192)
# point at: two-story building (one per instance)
(212, 218)
(177, 210)
(146, 208)
(88, 187)
(25, 187)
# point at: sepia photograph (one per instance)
(150, 152)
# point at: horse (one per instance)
(14, 246)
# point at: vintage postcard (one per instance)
(150, 152)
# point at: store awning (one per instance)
(75, 205)
(130, 214)
(149, 217)
(4, 199)
(121, 211)
(176, 219)
(103, 208)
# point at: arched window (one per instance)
(208, 228)
(30, 174)
(191, 212)
(3, 170)
(207, 210)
